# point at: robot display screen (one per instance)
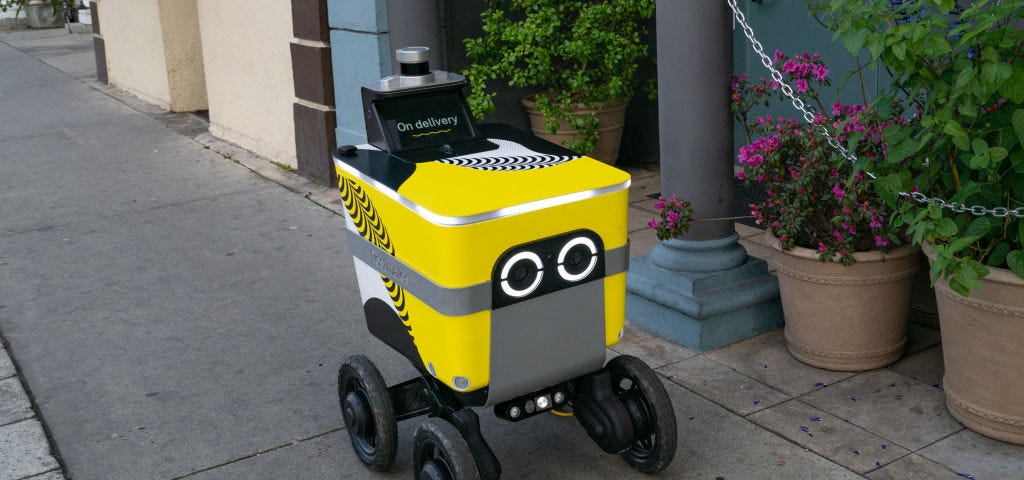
(423, 120)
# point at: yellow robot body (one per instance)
(498, 274)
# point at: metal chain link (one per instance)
(809, 117)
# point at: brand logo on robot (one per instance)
(388, 266)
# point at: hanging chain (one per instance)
(809, 116)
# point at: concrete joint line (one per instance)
(365, 32)
(258, 453)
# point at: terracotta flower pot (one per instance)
(983, 352)
(611, 120)
(846, 318)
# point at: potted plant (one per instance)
(844, 279)
(959, 161)
(582, 54)
(38, 13)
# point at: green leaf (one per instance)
(998, 255)
(979, 145)
(961, 243)
(980, 227)
(854, 43)
(979, 161)
(888, 188)
(1018, 122)
(1020, 232)
(967, 277)
(946, 227)
(1015, 260)
(965, 77)
(902, 150)
(900, 50)
(997, 154)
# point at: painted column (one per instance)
(315, 119)
(703, 290)
(360, 54)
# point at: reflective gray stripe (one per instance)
(447, 220)
(616, 260)
(453, 302)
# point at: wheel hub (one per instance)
(435, 469)
(357, 415)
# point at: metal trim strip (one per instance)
(452, 302)
(447, 220)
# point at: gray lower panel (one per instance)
(546, 340)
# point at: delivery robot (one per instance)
(496, 263)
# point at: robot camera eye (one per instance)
(577, 259)
(521, 274)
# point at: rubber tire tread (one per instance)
(386, 425)
(448, 439)
(665, 434)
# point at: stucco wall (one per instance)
(154, 51)
(249, 74)
(135, 49)
(183, 51)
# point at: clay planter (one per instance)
(983, 352)
(846, 318)
(611, 120)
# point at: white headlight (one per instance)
(586, 242)
(507, 268)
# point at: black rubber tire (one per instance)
(377, 447)
(439, 443)
(632, 378)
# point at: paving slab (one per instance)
(925, 366)
(641, 241)
(896, 407)
(24, 451)
(766, 359)
(223, 340)
(978, 457)
(641, 189)
(829, 436)
(723, 385)
(654, 350)
(14, 403)
(914, 467)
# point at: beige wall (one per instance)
(135, 49)
(183, 50)
(154, 51)
(249, 74)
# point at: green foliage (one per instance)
(958, 74)
(580, 52)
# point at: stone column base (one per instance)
(703, 310)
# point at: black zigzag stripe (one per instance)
(527, 162)
(369, 225)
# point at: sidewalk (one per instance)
(177, 307)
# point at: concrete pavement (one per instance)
(176, 307)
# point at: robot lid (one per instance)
(523, 174)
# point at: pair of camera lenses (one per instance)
(524, 271)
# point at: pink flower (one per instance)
(741, 175)
(876, 221)
(838, 235)
(821, 247)
(838, 192)
(653, 223)
(801, 85)
(881, 242)
(673, 216)
(660, 205)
